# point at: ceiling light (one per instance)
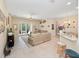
(68, 3)
(28, 16)
(34, 16)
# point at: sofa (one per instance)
(38, 38)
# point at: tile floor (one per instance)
(44, 50)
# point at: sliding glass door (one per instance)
(24, 28)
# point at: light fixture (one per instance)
(28, 16)
(35, 16)
(68, 3)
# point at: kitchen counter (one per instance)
(68, 36)
(69, 40)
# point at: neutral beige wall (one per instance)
(48, 26)
(69, 19)
(3, 8)
(2, 35)
(18, 20)
(78, 27)
(61, 21)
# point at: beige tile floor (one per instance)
(44, 50)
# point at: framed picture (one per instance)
(15, 27)
(7, 20)
(2, 21)
(2, 17)
(52, 26)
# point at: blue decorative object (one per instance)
(71, 53)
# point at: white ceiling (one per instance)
(42, 8)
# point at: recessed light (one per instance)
(68, 3)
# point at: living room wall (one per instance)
(72, 21)
(3, 35)
(3, 8)
(78, 28)
(50, 26)
(18, 20)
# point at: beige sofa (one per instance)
(39, 38)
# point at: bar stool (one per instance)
(60, 49)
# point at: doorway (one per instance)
(24, 28)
